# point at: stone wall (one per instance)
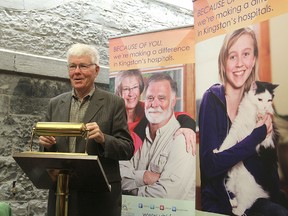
(34, 38)
(23, 100)
(48, 30)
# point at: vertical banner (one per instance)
(160, 178)
(218, 42)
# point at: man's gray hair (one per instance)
(163, 76)
(84, 50)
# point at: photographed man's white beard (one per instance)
(157, 115)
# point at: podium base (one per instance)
(62, 194)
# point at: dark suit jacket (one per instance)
(108, 111)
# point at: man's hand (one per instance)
(47, 141)
(150, 178)
(190, 137)
(95, 132)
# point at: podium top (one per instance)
(42, 168)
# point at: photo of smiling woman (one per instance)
(237, 67)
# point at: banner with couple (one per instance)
(161, 177)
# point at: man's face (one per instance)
(82, 77)
(159, 102)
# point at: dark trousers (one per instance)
(91, 204)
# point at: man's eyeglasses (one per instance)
(82, 67)
(128, 89)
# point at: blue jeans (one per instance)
(265, 207)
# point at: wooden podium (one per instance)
(63, 171)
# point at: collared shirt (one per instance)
(167, 156)
(77, 111)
